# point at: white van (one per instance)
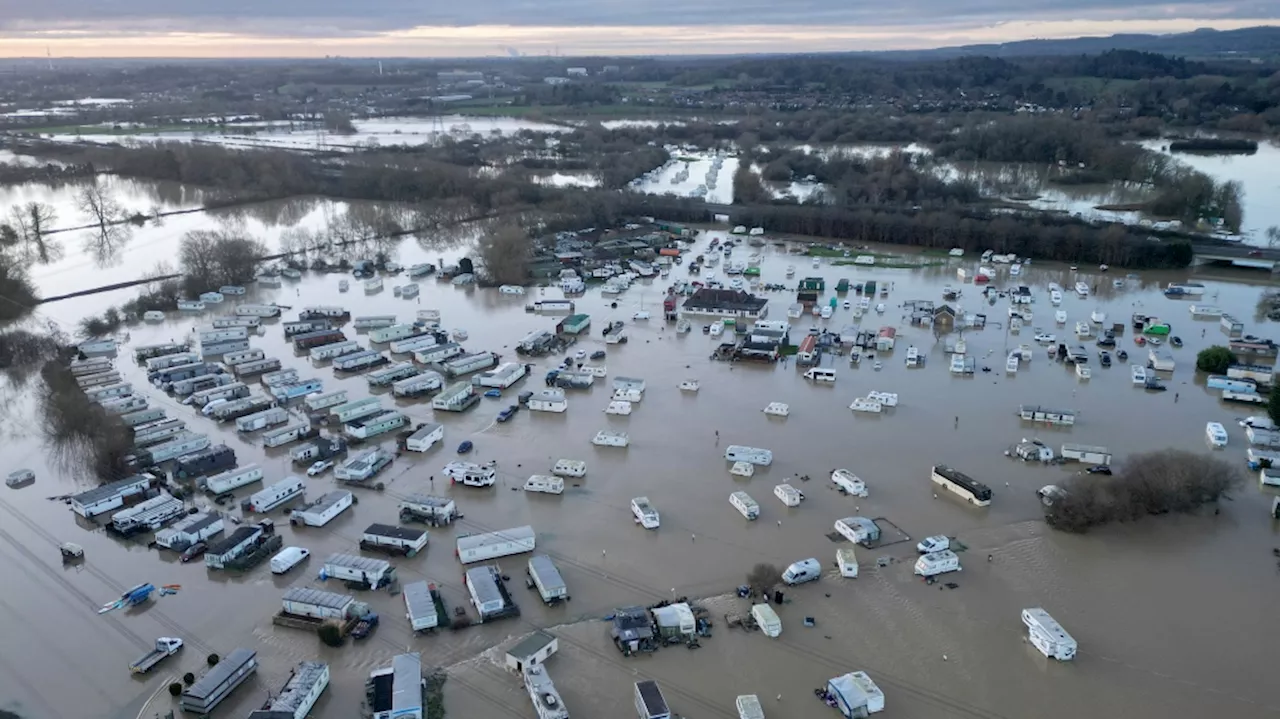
(805, 570)
(821, 374)
(288, 558)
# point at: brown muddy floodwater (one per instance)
(1172, 614)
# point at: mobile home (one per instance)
(394, 332)
(262, 420)
(373, 322)
(356, 409)
(231, 359)
(213, 459)
(404, 541)
(336, 349)
(501, 377)
(155, 364)
(391, 373)
(233, 479)
(547, 580)
(417, 385)
(310, 340)
(289, 433)
(437, 353)
(219, 681)
(420, 606)
(413, 343)
(488, 594)
(256, 367)
(363, 466)
(299, 388)
(331, 312)
(457, 397)
(374, 425)
(275, 495)
(214, 335)
(425, 437)
(250, 310)
(148, 516)
(467, 363)
(302, 327)
(187, 531)
(358, 361)
(492, 545)
(222, 348)
(354, 568)
(279, 377)
(323, 510)
(1086, 453)
(107, 497)
(317, 402)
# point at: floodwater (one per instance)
(1255, 173)
(1172, 613)
(372, 133)
(686, 173)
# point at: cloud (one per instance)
(344, 19)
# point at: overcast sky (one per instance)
(480, 27)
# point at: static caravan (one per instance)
(289, 433)
(146, 352)
(296, 389)
(213, 459)
(299, 694)
(213, 335)
(403, 541)
(753, 455)
(457, 397)
(363, 466)
(317, 402)
(971, 490)
(413, 344)
(235, 322)
(428, 508)
(111, 391)
(170, 375)
(331, 312)
(547, 580)
(650, 704)
(187, 531)
(181, 445)
(359, 361)
(1160, 359)
(187, 387)
(492, 545)
(488, 594)
(420, 606)
(321, 448)
(394, 332)
(222, 348)
(391, 373)
(233, 479)
(158, 431)
(121, 405)
(231, 359)
(323, 510)
(425, 437)
(356, 409)
(467, 363)
(107, 497)
(275, 495)
(372, 322)
(788, 495)
(262, 420)
(1048, 415)
(98, 380)
(302, 327)
(279, 377)
(155, 364)
(354, 568)
(859, 530)
(548, 400)
(219, 681)
(337, 349)
(256, 367)
(1087, 454)
(767, 619)
(310, 340)
(374, 425)
(148, 516)
(855, 695)
(134, 419)
(417, 385)
(847, 562)
(501, 377)
(257, 311)
(437, 353)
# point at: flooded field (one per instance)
(1172, 614)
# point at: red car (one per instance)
(193, 551)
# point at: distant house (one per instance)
(726, 303)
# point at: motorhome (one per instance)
(820, 374)
(805, 570)
(971, 490)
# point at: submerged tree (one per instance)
(1215, 359)
(32, 223)
(109, 229)
(212, 258)
(763, 578)
(504, 253)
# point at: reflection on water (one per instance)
(1135, 596)
(1257, 175)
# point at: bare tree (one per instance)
(212, 258)
(32, 222)
(1273, 236)
(505, 253)
(763, 578)
(110, 230)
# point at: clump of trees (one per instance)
(212, 258)
(1163, 482)
(1215, 359)
(339, 123)
(763, 578)
(504, 255)
(1273, 404)
(81, 432)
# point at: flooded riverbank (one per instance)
(1170, 612)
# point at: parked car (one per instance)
(493, 393)
(1106, 342)
(1104, 358)
(580, 354)
(1099, 469)
(320, 467)
(506, 414)
(598, 355)
(193, 551)
(465, 447)
(641, 315)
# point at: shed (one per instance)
(531, 651)
(674, 620)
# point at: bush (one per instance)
(213, 659)
(330, 633)
(175, 689)
(1153, 483)
(763, 578)
(188, 678)
(1215, 359)
(1273, 404)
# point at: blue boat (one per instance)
(465, 447)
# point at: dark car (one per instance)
(597, 355)
(465, 447)
(364, 627)
(506, 414)
(1104, 358)
(523, 397)
(1099, 469)
(1106, 342)
(193, 551)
